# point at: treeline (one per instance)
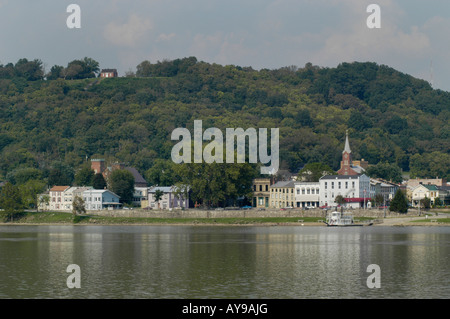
(34, 70)
(57, 121)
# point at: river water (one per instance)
(224, 262)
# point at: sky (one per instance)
(414, 37)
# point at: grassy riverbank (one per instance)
(67, 218)
(63, 218)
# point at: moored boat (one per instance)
(342, 219)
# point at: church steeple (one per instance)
(346, 163)
(347, 144)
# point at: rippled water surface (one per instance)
(224, 262)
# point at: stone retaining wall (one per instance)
(248, 213)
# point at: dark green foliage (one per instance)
(399, 203)
(28, 70)
(389, 172)
(10, 200)
(392, 117)
(312, 172)
(84, 177)
(60, 174)
(98, 182)
(121, 182)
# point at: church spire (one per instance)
(347, 144)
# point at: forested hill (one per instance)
(391, 117)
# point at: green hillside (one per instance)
(391, 117)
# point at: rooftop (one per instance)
(59, 188)
(283, 184)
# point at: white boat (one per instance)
(341, 219)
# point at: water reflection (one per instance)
(223, 262)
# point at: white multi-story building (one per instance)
(56, 194)
(98, 199)
(69, 195)
(307, 194)
(355, 189)
(170, 199)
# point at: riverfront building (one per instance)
(261, 192)
(355, 189)
(307, 194)
(282, 194)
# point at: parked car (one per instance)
(246, 207)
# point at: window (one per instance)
(298, 191)
(339, 185)
(332, 185)
(346, 184)
(260, 188)
(325, 185)
(303, 191)
(267, 188)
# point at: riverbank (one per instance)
(63, 218)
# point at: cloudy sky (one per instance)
(414, 36)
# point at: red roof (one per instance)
(59, 188)
(357, 199)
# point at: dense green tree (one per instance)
(84, 177)
(81, 69)
(10, 200)
(29, 192)
(60, 174)
(430, 165)
(22, 175)
(30, 70)
(387, 171)
(158, 196)
(399, 203)
(121, 182)
(56, 72)
(396, 124)
(339, 200)
(217, 184)
(98, 182)
(425, 202)
(312, 172)
(78, 206)
(162, 173)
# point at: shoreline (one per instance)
(200, 224)
(66, 219)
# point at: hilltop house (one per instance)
(108, 73)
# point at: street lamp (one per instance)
(420, 192)
(364, 199)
